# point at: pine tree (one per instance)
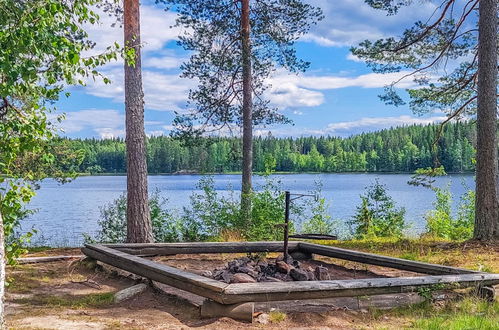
(139, 228)
(450, 35)
(238, 45)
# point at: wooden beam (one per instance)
(242, 312)
(195, 248)
(272, 291)
(252, 292)
(190, 282)
(379, 260)
(35, 260)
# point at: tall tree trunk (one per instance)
(139, 228)
(3, 259)
(487, 203)
(247, 165)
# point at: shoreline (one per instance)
(256, 173)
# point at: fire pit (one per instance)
(252, 270)
(247, 280)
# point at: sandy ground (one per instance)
(71, 295)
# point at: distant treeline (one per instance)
(401, 149)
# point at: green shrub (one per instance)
(166, 226)
(213, 212)
(216, 216)
(440, 222)
(14, 194)
(320, 221)
(378, 216)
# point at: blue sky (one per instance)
(338, 95)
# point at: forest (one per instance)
(400, 149)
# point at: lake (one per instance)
(67, 211)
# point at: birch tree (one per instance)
(42, 47)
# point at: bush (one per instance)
(219, 215)
(320, 222)
(166, 226)
(378, 216)
(441, 224)
(14, 194)
(213, 216)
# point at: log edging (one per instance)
(440, 277)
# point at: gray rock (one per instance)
(283, 267)
(242, 278)
(129, 292)
(281, 258)
(311, 276)
(298, 274)
(322, 274)
(262, 264)
(282, 277)
(271, 279)
(263, 318)
(246, 269)
(205, 273)
(226, 277)
(298, 255)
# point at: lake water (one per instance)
(67, 211)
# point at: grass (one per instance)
(466, 313)
(277, 316)
(469, 312)
(70, 301)
(464, 254)
(26, 278)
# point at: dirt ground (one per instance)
(74, 295)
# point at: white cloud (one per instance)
(156, 30)
(349, 22)
(163, 92)
(376, 123)
(291, 91)
(156, 133)
(354, 58)
(347, 128)
(106, 123)
(289, 94)
(164, 62)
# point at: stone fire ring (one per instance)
(227, 299)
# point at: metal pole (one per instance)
(286, 225)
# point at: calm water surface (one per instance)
(67, 211)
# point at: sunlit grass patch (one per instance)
(70, 301)
(462, 254)
(277, 316)
(467, 313)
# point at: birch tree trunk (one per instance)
(487, 203)
(247, 165)
(139, 229)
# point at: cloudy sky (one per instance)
(337, 96)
